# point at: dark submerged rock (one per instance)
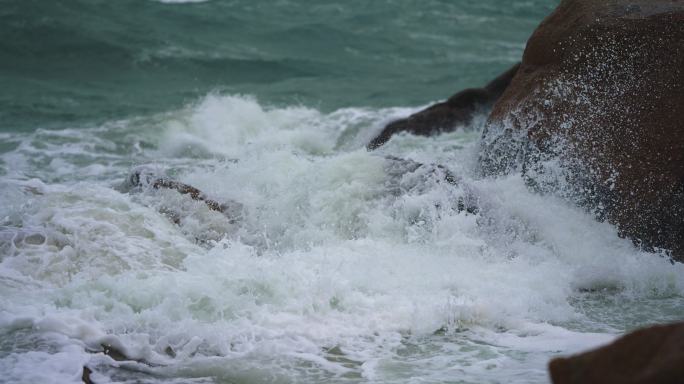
(652, 355)
(595, 114)
(396, 168)
(459, 109)
(114, 353)
(85, 377)
(142, 177)
(146, 178)
(185, 189)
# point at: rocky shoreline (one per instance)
(594, 114)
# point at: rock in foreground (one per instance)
(595, 113)
(648, 356)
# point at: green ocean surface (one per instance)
(68, 63)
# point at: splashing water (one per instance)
(338, 264)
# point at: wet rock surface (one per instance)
(595, 114)
(145, 178)
(443, 117)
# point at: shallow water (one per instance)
(333, 264)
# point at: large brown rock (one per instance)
(446, 116)
(596, 114)
(652, 355)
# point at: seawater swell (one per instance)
(72, 63)
(343, 265)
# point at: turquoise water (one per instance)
(331, 263)
(65, 63)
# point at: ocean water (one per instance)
(332, 263)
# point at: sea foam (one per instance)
(342, 265)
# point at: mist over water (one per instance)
(333, 263)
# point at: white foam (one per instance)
(334, 270)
